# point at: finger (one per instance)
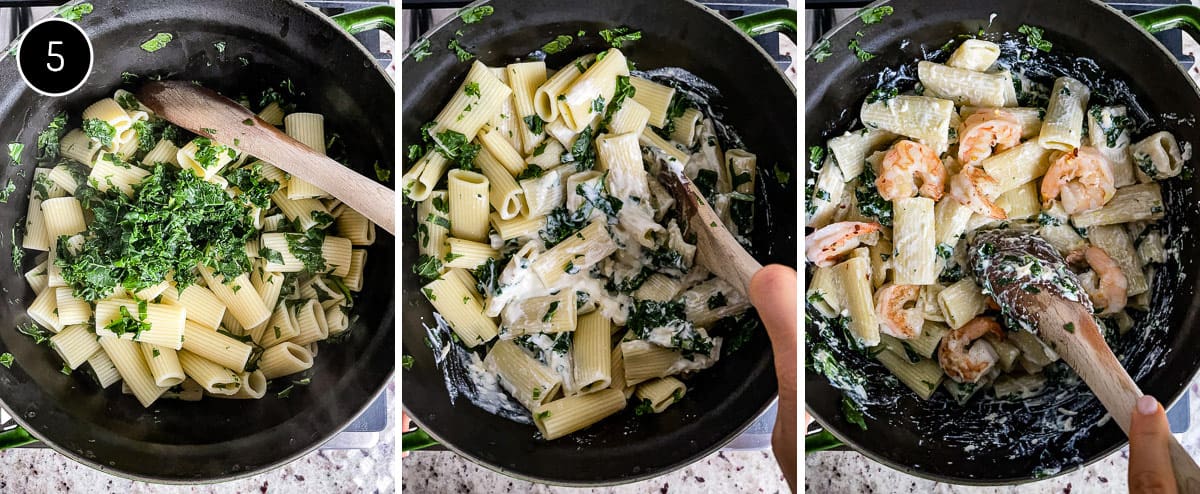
(773, 293)
(1149, 460)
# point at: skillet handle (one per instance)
(381, 17)
(1186, 17)
(770, 21)
(415, 440)
(821, 440)
(15, 438)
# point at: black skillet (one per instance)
(721, 401)
(178, 442)
(941, 441)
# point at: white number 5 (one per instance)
(50, 53)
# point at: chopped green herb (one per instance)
(460, 52)
(782, 176)
(14, 153)
(560, 43)
(382, 174)
(821, 51)
(6, 359)
(882, 94)
(618, 36)
(550, 311)
(473, 15)
(873, 16)
(472, 89)
(852, 411)
(100, 131)
(158, 42)
(66, 370)
(535, 124)
(1070, 327)
(1033, 36)
(18, 252)
(543, 415)
(531, 171)
(7, 191)
(646, 407)
(598, 104)
(47, 140)
(861, 54)
(286, 392)
(74, 13)
(127, 323)
(408, 361)
(173, 222)
(421, 50)
(428, 267)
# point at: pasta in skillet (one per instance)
(181, 267)
(894, 202)
(549, 247)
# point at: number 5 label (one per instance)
(55, 57)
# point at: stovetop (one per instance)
(364, 432)
(822, 15)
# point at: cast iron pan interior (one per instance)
(721, 401)
(213, 439)
(928, 438)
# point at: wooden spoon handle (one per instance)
(216, 117)
(717, 250)
(1072, 331)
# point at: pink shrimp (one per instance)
(1113, 290)
(899, 315)
(903, 165)
(971, 188)
(985, 129)
(963, 361)
(824, 246)
(1082, 179)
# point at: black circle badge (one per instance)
(55, 57)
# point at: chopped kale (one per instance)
(560, 43)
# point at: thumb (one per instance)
(1149, 458)
(773, 293)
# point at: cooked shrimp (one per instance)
(899, 314)
(1113, 288)
(970, 187)
(824, 246)
(903, 164)
(1082, 179)
(985, 129)
(963, 361)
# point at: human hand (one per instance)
(1149, 458)
(773, 292)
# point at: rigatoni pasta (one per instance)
(176, 264)
(977, 145)
(535, 281)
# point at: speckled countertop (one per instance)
(730, 471)
(324, 471)
(840, 472)
(847, 471)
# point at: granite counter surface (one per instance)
(41, 470)
(429, 472)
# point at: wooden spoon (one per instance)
(716, 249)
(1056, 305)
(216, 117)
